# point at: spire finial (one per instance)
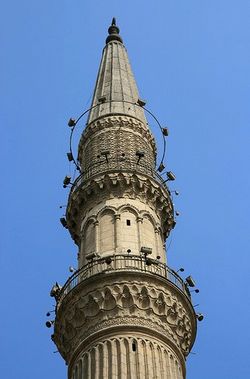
(113, 31)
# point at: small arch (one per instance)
(108, 209)
(130, 208)
(107, 230)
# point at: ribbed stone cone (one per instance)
(115, 88)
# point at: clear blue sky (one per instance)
(191, 61)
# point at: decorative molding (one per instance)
(142, 304)
(123, 185)
(117, 121)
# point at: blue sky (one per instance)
(191, 62)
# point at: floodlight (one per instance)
(177, 213)
(170, 175)
(180, 269)
(146, 250)
(71, 269)
(190, 281)
(49, 323)
(161, 167)
(199, 316)
(196, 290)
(92, 255)
(105, 154)
(71, 122)
(66, 181)
(165, 131)
(64, 222)
(70, 157)
(108, 260)
(141, 102)
(102, 99)
(55, 290)
(139, 154)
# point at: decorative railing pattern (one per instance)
(123, 262)
(118, 164)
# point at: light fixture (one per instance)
(48, 313)
(141, 102)
(176, 193)
(71, 122)
(180, 269)
(102, 99)
(105, 154)
(199, 316)
(49, 323)
(66, 181)
(149, 261)
(146, 250)
(196, 290)
(177, 213)
(71, 269)
(170, 175)
(92, 255)
(139, 154)
(190, 281)
(161, 167)
(64, 222)
(108, 260)
(70, 157)
(55, 290)
(165, 131)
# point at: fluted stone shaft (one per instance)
(128, 357)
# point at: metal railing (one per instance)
(122, 262)
(118, 164)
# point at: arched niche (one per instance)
(107, 232)
(88, 244)
(148, 235)
(129, 230)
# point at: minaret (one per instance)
(124, 314)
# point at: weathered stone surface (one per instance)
(120, 317)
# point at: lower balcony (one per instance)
(122, 263)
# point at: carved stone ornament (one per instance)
(151, 304)
(113, 121)
(127, 185)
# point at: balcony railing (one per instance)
(121, 165)
(126, 263)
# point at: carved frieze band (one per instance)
(141, 304)
(121, 121)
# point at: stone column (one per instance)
(97, 244)
(117, 233)
(139, 225)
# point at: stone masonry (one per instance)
(124, 314)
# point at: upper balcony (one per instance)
(122, 263)
(119, 164)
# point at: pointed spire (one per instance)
(116, 90)
(113, 31)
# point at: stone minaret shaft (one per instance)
(124, 314)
